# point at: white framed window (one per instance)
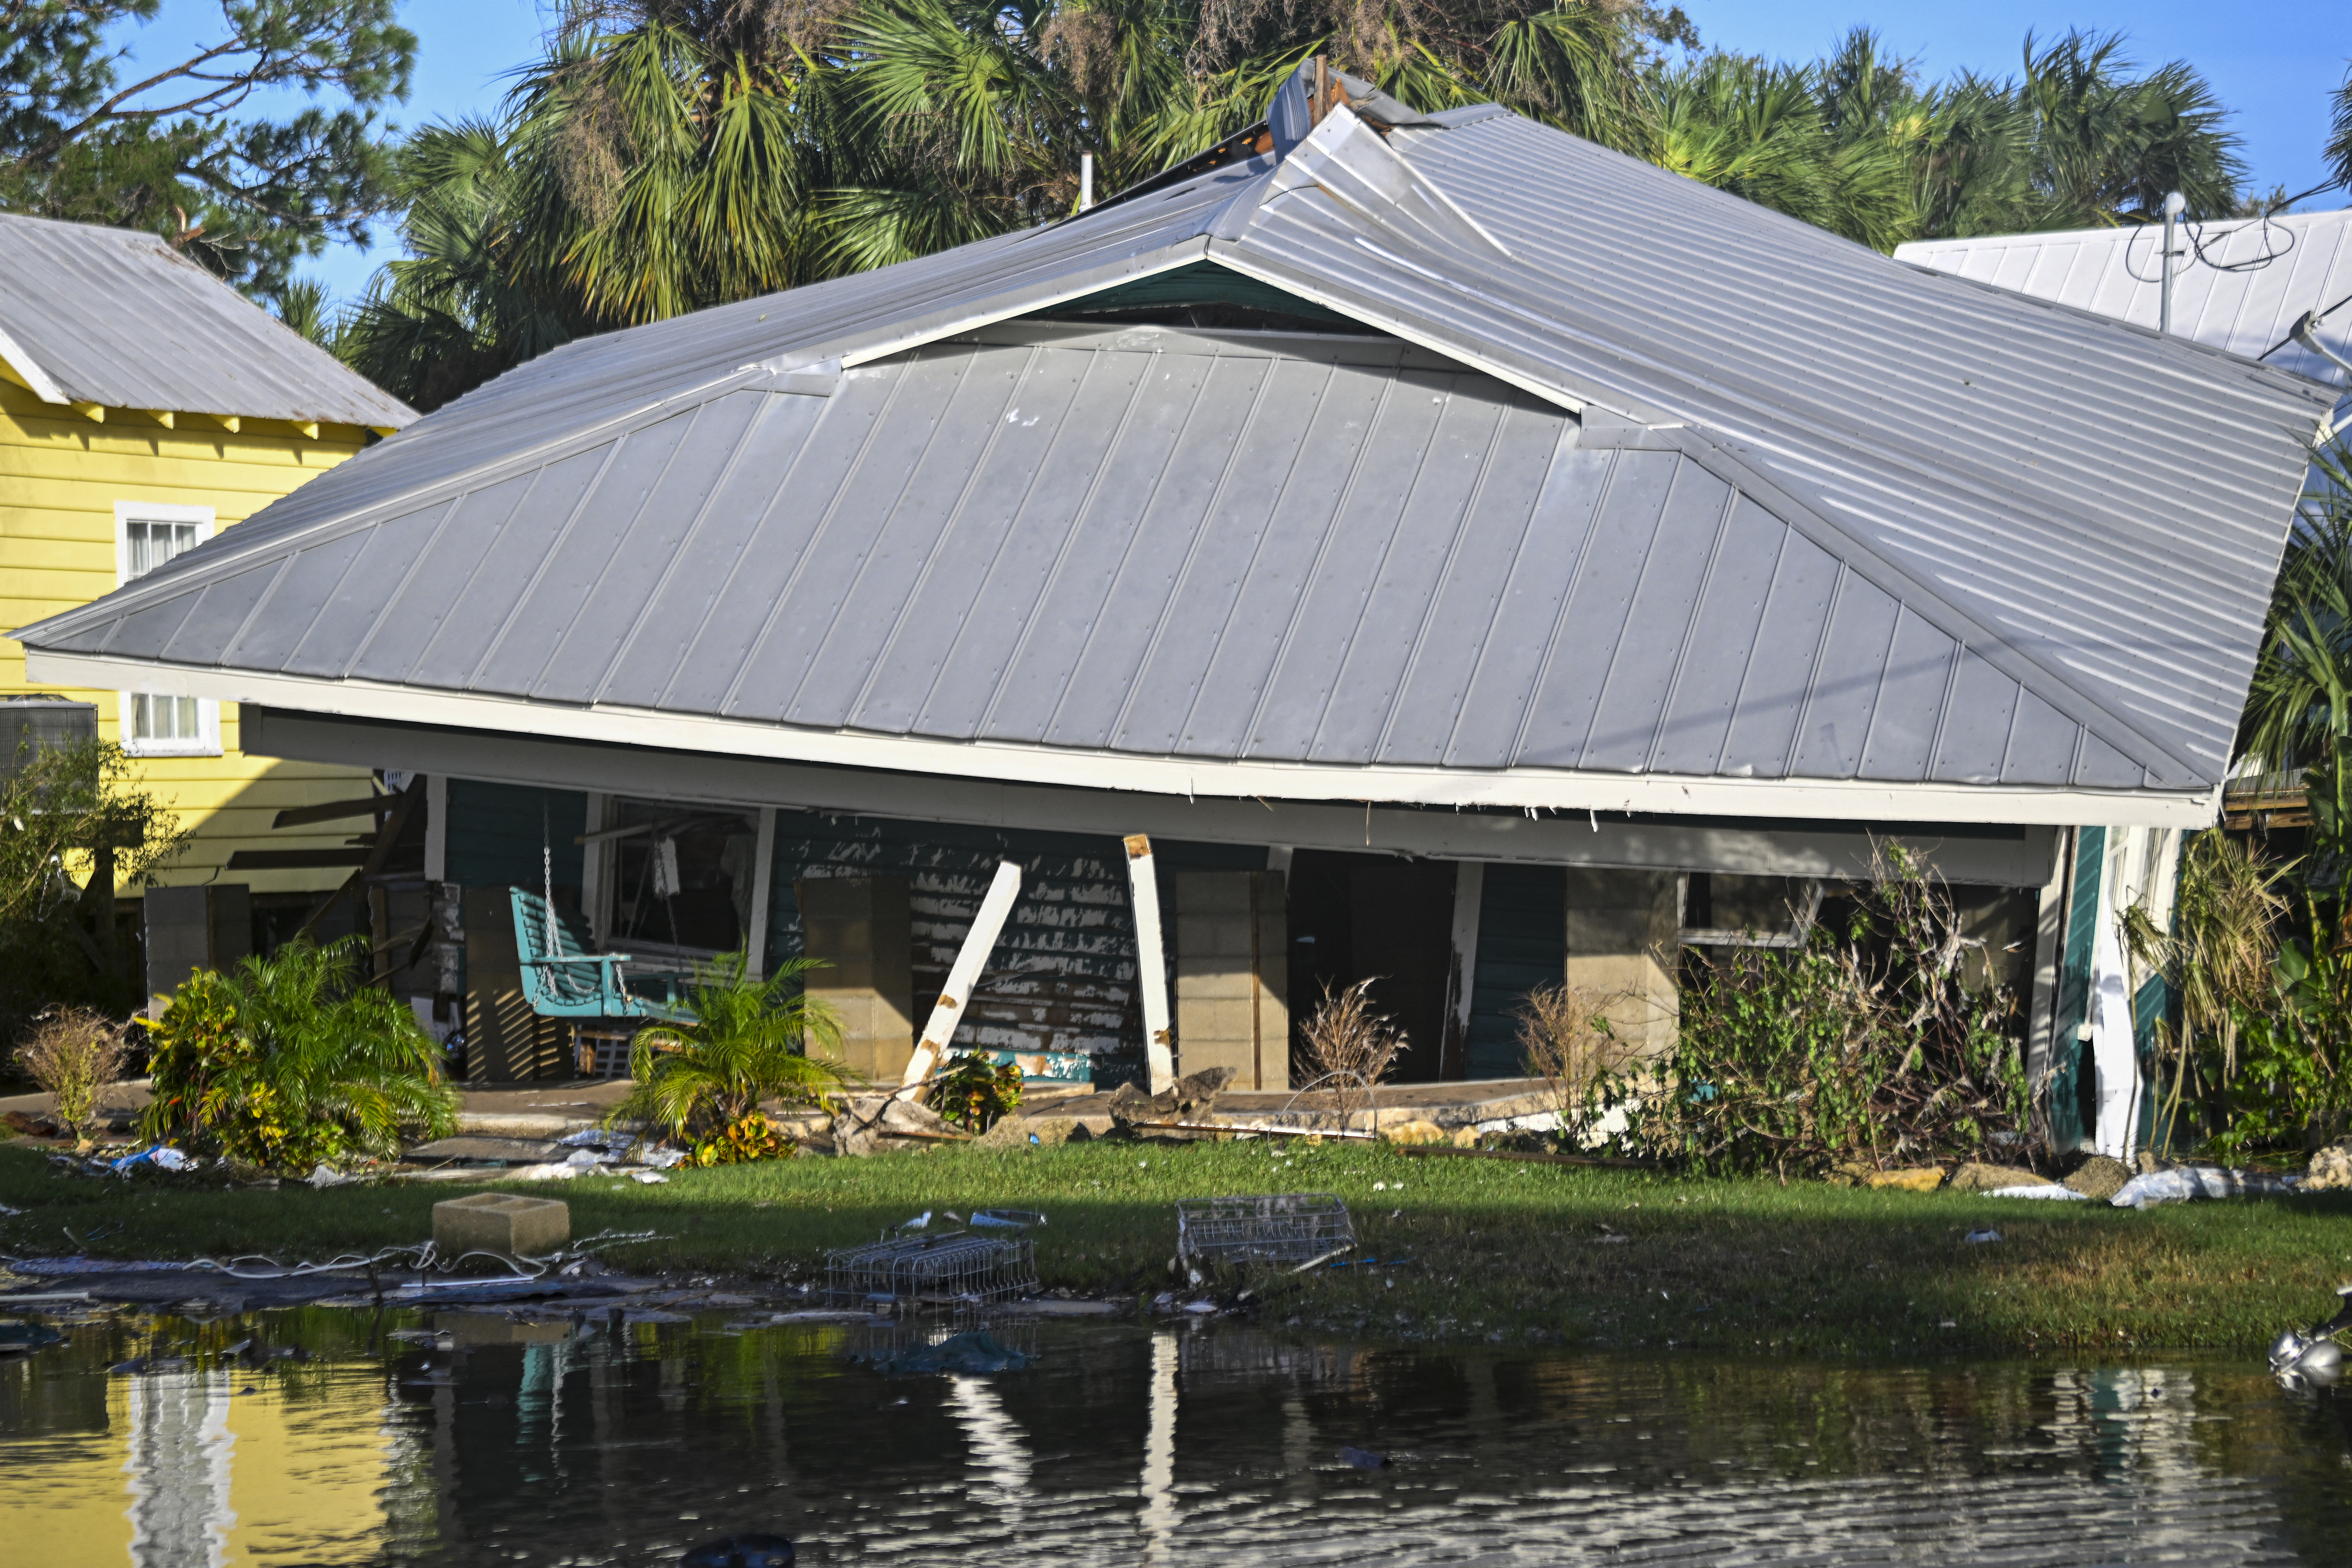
(158, 723)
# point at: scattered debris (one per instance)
(2099, 1177)
(2054, 1191)
(871, 1124)
(1980, 1236)
(2184, 1182)
(25, 1126)
(948, 1265)
(1977, 1177)
(2331, 1168)
(1919, 1179)
(1364, 1459)
(1190, 1099)
(162, 1156)
(650, 1178)
(1292, 1228)
(1020, 1219)
(2298, 1358)
(324, 1175)
(1524, 1157)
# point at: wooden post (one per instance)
(763, 883)
(1461, 971)
(948, 1011)
(1151, 964)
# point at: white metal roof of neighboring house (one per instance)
(2241, 286)
(1718, 513)
(118, 318)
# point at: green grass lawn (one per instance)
(1498, 1248)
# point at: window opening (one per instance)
(682, 879)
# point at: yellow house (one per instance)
(144, 406)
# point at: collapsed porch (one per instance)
(1454, 915)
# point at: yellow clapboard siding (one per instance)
(59, 481)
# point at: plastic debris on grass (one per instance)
(2185, 1181)
(2050, 1191)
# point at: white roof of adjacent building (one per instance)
(2241, 286)
(118, 318)
(1595, 487)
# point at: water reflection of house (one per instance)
(192, 1468)
(1470, 557)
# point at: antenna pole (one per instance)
(2174, 202)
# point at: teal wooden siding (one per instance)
(495, 831)
(1522, 943)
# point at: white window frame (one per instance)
(206, 742)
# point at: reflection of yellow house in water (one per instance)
(193, 1471)
(144, 406)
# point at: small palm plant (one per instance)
(749, 1043)
(290, 1060)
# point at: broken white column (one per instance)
(1151, 964)
(978, 943)
(2115, 1054)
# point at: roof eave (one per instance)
(1533, 789)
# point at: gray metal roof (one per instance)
(2240, 287)
(118, 318)
(1660, 484)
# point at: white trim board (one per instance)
(2020, 860)
(1531, 789)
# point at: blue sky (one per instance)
(2274, 62)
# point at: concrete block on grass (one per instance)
(504, 1223)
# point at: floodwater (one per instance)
(578, 1443)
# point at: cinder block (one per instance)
(505, 1223)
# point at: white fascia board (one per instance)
(29, 370)
(1533, 789)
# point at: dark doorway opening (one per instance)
(1354, 916)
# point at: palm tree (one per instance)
(749, 1043)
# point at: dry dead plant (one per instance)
(1566, 1039)
(74, 1052)
(1351, 1047)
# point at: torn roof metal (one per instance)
(118, 318)
(1700, 498)
(2241, 284)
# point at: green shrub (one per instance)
(290, 1060)
(747, 1044)
(1869, 1045)
(977, 1091)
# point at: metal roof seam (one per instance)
(950, 515)
(424, 551)
(1902, 585)
(1184, 723)
(1118, 571)
(611, 455)
(533, 684)
(1691, 630)
(796, 683)
(1117, 726)
(1773, 590)
(219, 555)
(1051, 579)
(1540, 666)
(1384, 739)
(1252, 728)
(625, 645)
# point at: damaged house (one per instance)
(1421, 546)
